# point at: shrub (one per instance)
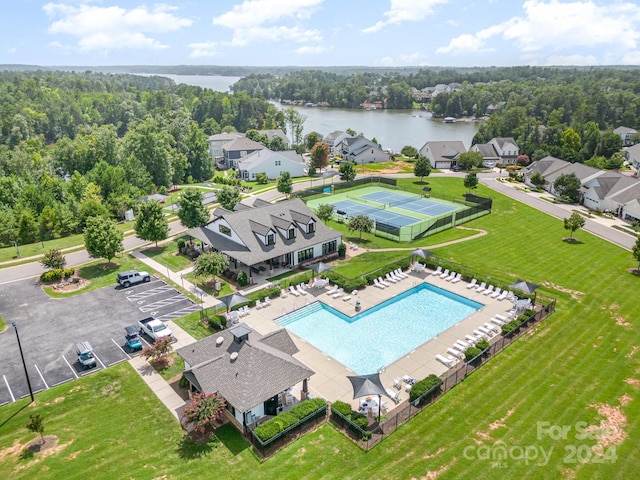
(342, 408)
(262, 179)
(222, 320)
(68, 272)
(471, 353)
(483, 344)
(273, 427)
(511, 327)
(342, 250)
(213, 323)
(423, 386)
(356, 418)
(242, 279)
(183, 383)
(181, 244)
(52, 275)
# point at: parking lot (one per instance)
(50, 328)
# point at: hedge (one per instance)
(357, 418)
(471, 353)
(273, 427)
(423, 386)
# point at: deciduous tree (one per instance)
(537, 180)
(636, 252)
(409, 151)
(573, 223)
(471, 181)
(468, 160)
(347, 171)
(102, 239)
(228, 196)
(53, 259)
(159, 350)
(422, 167)
(360, 223)
(311, 139)
(325, 212)
(567, 185)
(192, 212)
(285, 185)
(203, 410)
(151, 223)
(210, 264)
(36, 425)
(320, 155)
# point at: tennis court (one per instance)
(377, 214)
(407, 202)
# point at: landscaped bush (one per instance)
(242, 279)
(342, 250)
(483, 344)
(273, 427)
(512, 326)
(261, 178)
(423, 386)
(343, 408)
(357, 418)
(471, 353)
(68, 272)
(52, 275)
(181, 244)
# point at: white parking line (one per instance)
(121, 349)
(13, 399)
(98, 358)
(40, 373)
(73, 370)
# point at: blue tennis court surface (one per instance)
(352, 209)
(414, 204)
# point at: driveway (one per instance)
(49, 329)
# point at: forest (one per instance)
(76, 145)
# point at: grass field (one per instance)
(167, 254)
(580, 365)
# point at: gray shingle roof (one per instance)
(260, 371)
(243, 223)
(487, 150)
(242, 144)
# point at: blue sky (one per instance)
(321, 32)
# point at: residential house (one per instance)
(490, 157)
(361, 150)
(546, 166)
(604, 191)
(268, 235)
(507, 149)
(443, 153)
(236, 149)
(215, 145)
(271, 163)
(277, 132)
(633, 155)
(254, 374)
(334, 140)
(626, 134)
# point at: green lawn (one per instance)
(366, 262)
(175, 367)
(167, 254)
(192, 324)
(225, 290)
(585, 356)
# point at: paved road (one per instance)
(600, 227)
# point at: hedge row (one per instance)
(356, 418)
(423, 386)
(57, 274)
(273, 427)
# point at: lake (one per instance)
(392, 128)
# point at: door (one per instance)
(271, 406)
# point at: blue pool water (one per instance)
(381, 335)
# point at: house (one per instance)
(633, 155)
(361, 150)
(626, 134)
(442, 154)
(236, 149)
(264, 236)
(276, 132)
(215, 145)
(272, 163)
(600, 192)
(490, 157)
(252, 373)
(544, 167)
(506, 148)
(334, 140)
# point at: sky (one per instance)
(462, 33)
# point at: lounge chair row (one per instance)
(262, 304)
(298, 289)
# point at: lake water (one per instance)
(392, 128)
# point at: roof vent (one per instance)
(234, 356)
(219, 341)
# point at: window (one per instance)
(243, 153)
(278, 162)
(311, 227)
(305, 255)
(271, 239)
(224, 229)
(329, 247)
(291, 234)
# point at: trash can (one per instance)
(358, 306)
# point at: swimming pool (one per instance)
(381, 335)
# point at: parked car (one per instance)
(85, 355)
(131, 277)
(154, 328)
(132, 338)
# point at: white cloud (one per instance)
(251, 13)
(560, 26)
(402, 11)
(404, 59)
(576, 59)
(106, 28)
(311, 50)
(204, 49)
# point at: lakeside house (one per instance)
(442, 154)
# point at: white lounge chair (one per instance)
(376, 283)
(501, 317)
(293, 291)
(471, 339)
(438, 270)
(457, 278)
(390, 278)
(472, 283)
(496, 293)
(395, 276)
(459, 347)
(452, 276)
(301, 290)
(448, 362)
(486, 331)
(266, 301)
(445, 274)
(462, 344)
(395, 396)
(482, 287)
(382, 282)
(495, 328)
(244, 311)
(346, 298)
(497, 321)
(397, 382)
(503, 295)
(489, 290)
(456, 353)
(283, 293)
(480, 333)
(333, 290)
(259, 305)
(338, 294)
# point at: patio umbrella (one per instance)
(233, 300)
(419, 252)
(367, 385)
(525, 287)
(319, 268)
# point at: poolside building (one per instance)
(267, 236)
(254, 374)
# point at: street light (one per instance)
(23, 363)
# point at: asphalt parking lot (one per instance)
(50, 328)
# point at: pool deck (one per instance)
(330, 380)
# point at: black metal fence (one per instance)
(287, 436)
(409, 409)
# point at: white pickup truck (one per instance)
(154, 328)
